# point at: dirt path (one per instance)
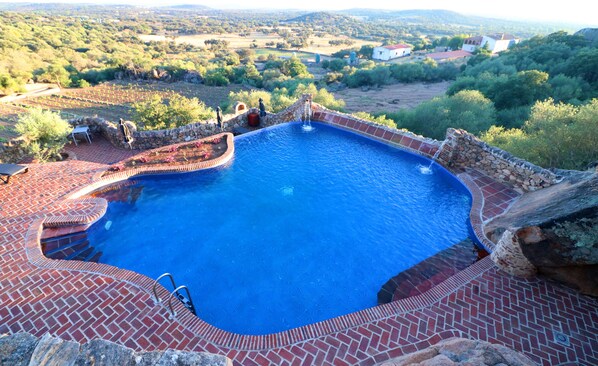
(390, 98)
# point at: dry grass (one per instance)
(320, 45)
(390, 98)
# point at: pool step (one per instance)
(81, 254)
(430, 272)
(49, 245)
(71, 245)
(67, 250)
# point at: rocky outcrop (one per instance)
(553, 231)
(462, 352)
(23, 349)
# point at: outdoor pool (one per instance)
(299, 227)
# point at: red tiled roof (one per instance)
(396, 46)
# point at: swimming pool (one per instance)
(298, 228)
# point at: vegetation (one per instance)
(381, 119)
(555, 135)
(468, 109)
(44, 133)
(158, 114)
(281, 98)
(506, 99)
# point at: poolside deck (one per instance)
(82, 301)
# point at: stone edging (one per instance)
(259, 342)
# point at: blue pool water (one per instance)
(299, 227)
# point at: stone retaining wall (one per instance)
(463, 150)
(143, 140)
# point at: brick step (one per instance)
(93, 257)
(66, 251)
(63, 231)
(430, 272)
(81, 254)
(52, 244)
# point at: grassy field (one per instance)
(316, 44)
(390, 98)
(283, 53)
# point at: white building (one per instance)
(495, 42)
(472, 43)
(385, 53)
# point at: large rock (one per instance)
(17, 349)
(52, 351)
(179, 358)
(462, 352)
(99, 352)
(553, 230)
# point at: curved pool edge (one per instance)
(223, 338)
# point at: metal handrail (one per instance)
(157, 300)
(191, 307)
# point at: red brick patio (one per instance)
(82, 301)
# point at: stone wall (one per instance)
(143, 140)
(462, 150)
(25, 349)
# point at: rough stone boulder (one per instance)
(553, 231)
(23, 349)
(462, 352)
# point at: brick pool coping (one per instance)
(295, 344)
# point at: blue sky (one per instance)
(570, 11)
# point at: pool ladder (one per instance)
(187, 301)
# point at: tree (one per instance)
(44, 133)
(468, 109)
(555, 135)
(56, 73)
(156, 113)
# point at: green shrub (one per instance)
(157, 114)
(555, 135)
(44, 133)
(381, 119)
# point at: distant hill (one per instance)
(591, 34)
(191, 7)
(414, 16)
(61, 7)
(320, 17)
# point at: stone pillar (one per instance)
(508, 256)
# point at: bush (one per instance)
(156, 114)
(381, 119)
(555, 135)
(467, 109)
(44, 133)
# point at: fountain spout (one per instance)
(428, 169)
(307, 113)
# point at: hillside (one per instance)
(320, 17)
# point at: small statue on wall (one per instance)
(219, 118)
(262, 108)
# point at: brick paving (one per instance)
(81, 301)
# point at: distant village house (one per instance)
(495, 42)
(385, 53)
